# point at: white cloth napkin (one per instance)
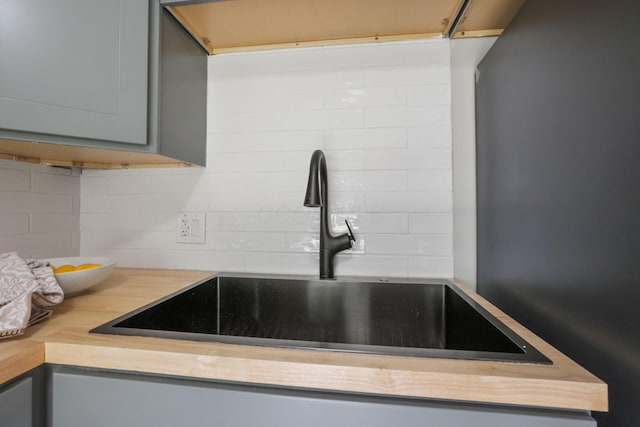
(28, 290)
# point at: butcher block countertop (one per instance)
(64, 339)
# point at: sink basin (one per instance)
(408, 317)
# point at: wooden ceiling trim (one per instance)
(249, 24)
(477, 33)
(319, 43)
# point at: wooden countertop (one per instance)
(64, 339)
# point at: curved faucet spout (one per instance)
(317, 196)
(317, 180)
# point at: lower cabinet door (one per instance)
(16, 404)
(86, 398)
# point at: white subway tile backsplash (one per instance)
(285, 101)
(439, 94)
(304, 242)
(163, 221)
(112, 239)
(75, 242)
(410, 244)
(361, 139)
(39, 212)
(280, 181)
(290, 140)
(415, 75)
(429, 137)
(339, 201)
(256, 201)
(361, 98)
(92, 183)
(368, 181)
(346, 78)
(424, 223)
(247, 242)
(431, 266)
(230, 103)
(410, 201)
(14, 180)
(278, 263)
(167, 239)
(252, 121)
(276, 141)
(13, 223)
(136, 258)
(430, 180)
(169, 202)
(15, 202)
(54, 184)
(370, 222)
(387, 54)
(96, 202)
(76, 203)
(240, 64)
(224, 181)
(285, 81)
(324, 119)
(344, 160)
(244, 84)
(141, 185)
(51, 222)
(407, 117)
(155, 184)
(210, 261)
(38, 245)
(272, 221)
(381, 113)
(276, 161)
(371, 265)
(411, 159)
(268, 101)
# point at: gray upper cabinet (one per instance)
(121, 75)
(75, 68)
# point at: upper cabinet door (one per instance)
(75, 68)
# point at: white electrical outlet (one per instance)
(190, 227)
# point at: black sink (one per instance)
(411, 318)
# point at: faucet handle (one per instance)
(352, 238)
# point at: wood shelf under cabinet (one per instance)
(83, 157)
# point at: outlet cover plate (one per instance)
(190, 227)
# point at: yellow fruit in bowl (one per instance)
(80, 273)
(63, 268)
(87, 266)
(68, 268)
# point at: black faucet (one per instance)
(317, 197)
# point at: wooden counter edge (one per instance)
(560, 393)
(18, 356)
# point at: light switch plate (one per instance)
(190, 227)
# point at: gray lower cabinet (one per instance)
(23, 400)
(95, 398)
(91, 73)
(15, 404)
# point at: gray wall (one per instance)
(558, 152)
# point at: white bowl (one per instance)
(73, 282)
